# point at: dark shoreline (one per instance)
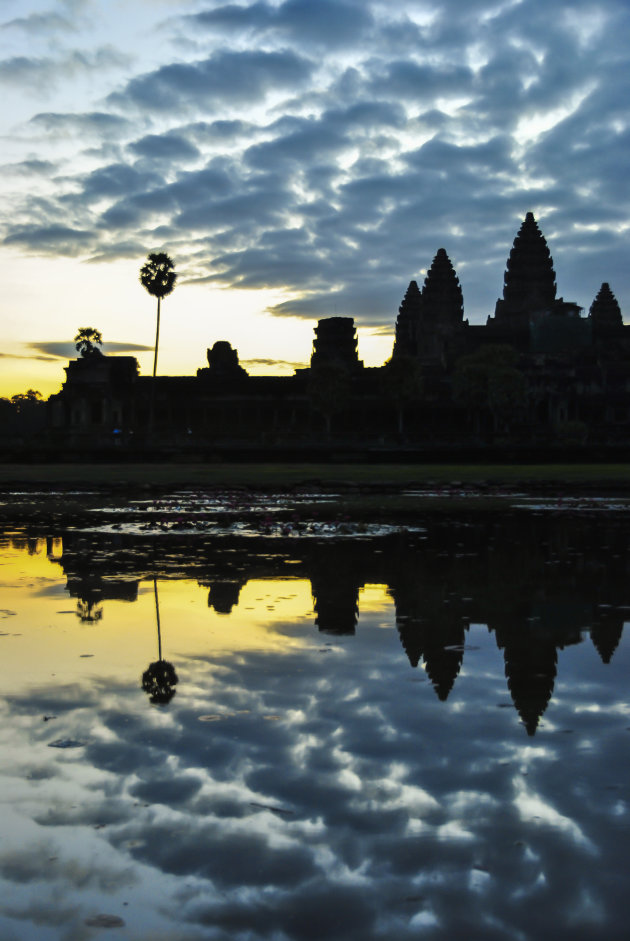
(274, 476)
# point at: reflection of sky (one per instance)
(298, 785)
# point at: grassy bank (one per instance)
(270, 476)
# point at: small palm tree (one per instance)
(86, 338)
(158, 277)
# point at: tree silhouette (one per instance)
(328, 389)
(86, 338)
(401, 382)
(158, 277)
(489, 378)
(22, 400)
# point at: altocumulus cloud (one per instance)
(39, 72)
(331, 148)
(238, 77)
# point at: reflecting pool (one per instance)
(415, 732)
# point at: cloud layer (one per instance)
(330, 149)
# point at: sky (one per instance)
(297, 159)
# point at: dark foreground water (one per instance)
(334, 734)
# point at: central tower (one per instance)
(529, 282)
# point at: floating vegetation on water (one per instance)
(574, 505)
(237, 514)
(334, 529)
(222, 501)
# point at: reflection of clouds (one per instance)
(366, 809)
(534, 810)
(27, 865)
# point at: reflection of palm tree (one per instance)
(159, 679)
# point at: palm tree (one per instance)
(158, 277)
(85, 339)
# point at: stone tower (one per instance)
(429, 321)
(605, 311)
(336, 342)
(442, 311)
(442, 300)
(408, 322)
(529, 283)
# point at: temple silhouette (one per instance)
(539, 372)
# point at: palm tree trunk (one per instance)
(155, 357)
(157, 338)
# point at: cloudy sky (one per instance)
(297, 159)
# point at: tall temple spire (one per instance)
(442, 300)
(408, 321)
(529, 282)
(605, 310)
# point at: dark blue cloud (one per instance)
(55, 238)
(42, 73)
(116, 180)
(236, 77)
(413, 82)
(170, 147)
(95, 122)
(327, 22)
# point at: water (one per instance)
(417, 732)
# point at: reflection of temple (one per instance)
(531, 657)
(538, 583)
(443, 656)
(606, 634)
(92, 590)
(538, 371)
(223, 595)
(335, 583)
(432, 628)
